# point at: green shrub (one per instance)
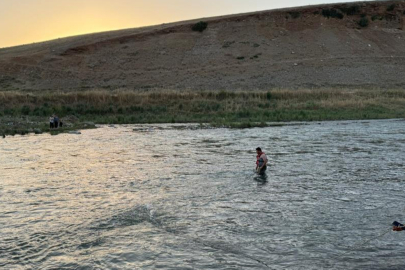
(136, 109)
(120, 119)
(268, 95)
(391, 7)
(215, 107)
(37, 112)
(222, 95)
(363, 22)
(332, 13)
(294, 14)
(200, 26)
(243, 113)
(352, 10)
(377, 17)
(8, 111)
(326, 13)
(25, 110)
(240, 57)
(66, 109)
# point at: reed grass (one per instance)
(229, 108)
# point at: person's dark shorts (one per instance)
(263, 170)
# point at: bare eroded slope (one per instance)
(291, 48)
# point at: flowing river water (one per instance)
(181, 197)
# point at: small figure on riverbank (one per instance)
(56, 121)
(51, 122)
(261, 161)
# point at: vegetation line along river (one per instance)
(28, 112)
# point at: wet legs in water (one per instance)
(261, 176)
(262, 171)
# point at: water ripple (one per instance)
(180, 197)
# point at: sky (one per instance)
(29, 21)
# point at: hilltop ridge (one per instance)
(340, 45)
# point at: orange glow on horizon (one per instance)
(28, 21)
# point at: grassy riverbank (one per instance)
(22, 112)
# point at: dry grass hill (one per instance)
(340, 45)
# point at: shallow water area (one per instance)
(181, 197)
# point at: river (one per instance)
(182, 197)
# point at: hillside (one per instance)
(340, 45)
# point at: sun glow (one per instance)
(28, 21)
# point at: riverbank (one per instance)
(26, 124)
(28, 112)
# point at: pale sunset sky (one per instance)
(28, 21)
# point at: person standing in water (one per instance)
(261, 161)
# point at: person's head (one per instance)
(258, 150)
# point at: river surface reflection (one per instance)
(180, 197)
